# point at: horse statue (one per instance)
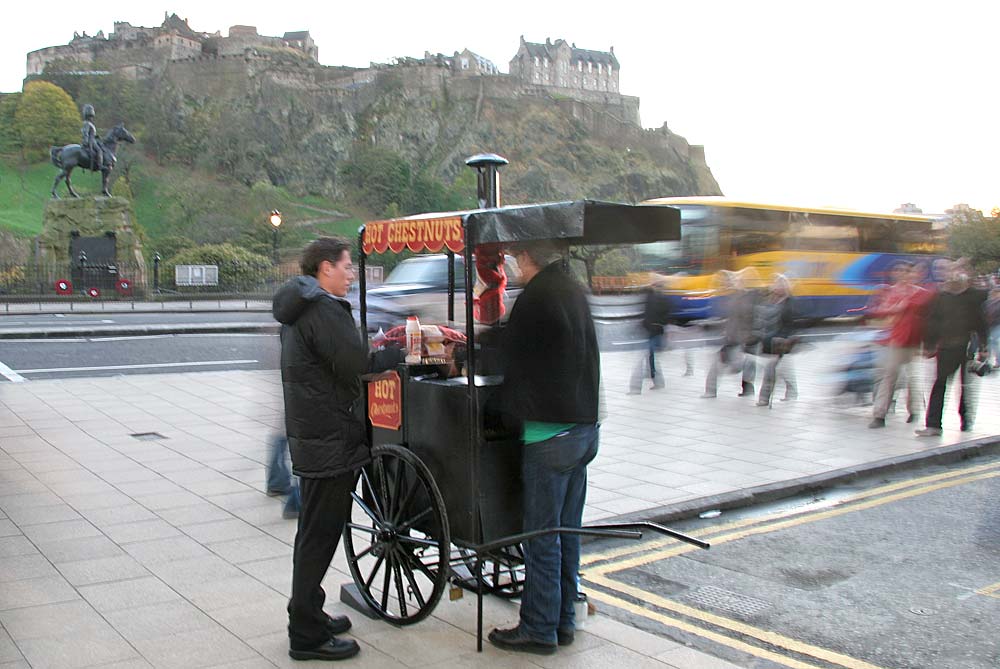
(68, 157)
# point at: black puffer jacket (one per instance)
(322, 358)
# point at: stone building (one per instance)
(564, 65)
(137, 51)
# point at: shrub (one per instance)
(45, 116)
(239, 269)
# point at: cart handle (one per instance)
(584, 531)
(656, 527)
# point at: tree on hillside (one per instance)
(10, 140)
(977, 237)
(45, 116)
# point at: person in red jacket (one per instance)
(905, 303)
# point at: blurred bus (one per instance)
(835, 258)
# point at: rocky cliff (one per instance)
(295, 123)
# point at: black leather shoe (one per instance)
(334, 649)
(337, 624)
(566, 636)
(516, 640)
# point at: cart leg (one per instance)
(479, 603)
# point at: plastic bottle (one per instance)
(413, 341)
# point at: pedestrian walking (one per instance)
(905, 305)
(774, 328)
(955, 315)
(736, 352)
(655, 317)
(551, 386)
(992, 313)
(322, 359)
(280, 480)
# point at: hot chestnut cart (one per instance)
(440, 501)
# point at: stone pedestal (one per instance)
(92, 217)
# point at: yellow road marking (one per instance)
(721, 639)
(990, 591)
(792, 522)
(599, 575)
(892, 487)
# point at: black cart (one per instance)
(440, 502)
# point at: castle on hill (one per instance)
(557, 69)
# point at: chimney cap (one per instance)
(485, 160)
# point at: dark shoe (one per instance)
(747, 390)
(928, 432)
(912, 417)
(277, 493)
(334, 649)
(337, 624)
(966, 427)
(763, 403)
(566, 636)
(877, 422)
(516, 640)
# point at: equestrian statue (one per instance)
(96, 155)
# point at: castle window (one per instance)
(546, 62)
(598, 68)
(579, 65)
(465, 63)
(590, 66)
(536, 61)
(609, 70)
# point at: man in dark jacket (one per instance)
(322, 358)
(956, 313)
(551, 385)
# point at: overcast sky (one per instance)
(865, 104)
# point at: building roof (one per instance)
(300, 35)
(586, 55)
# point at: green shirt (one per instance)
(535, 431)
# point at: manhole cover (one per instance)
(732, 602)
(147, 436)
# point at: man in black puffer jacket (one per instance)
(322, 358)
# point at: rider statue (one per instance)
(90, 141)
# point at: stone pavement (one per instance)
(118, 551)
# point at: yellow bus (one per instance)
(834, 258)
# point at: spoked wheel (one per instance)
(503, 571)
(397, 542)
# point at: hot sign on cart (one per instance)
(384, 401)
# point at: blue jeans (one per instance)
(279, 474)
(554, 473)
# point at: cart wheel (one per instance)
(397, 542)
(503, 571)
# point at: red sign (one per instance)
(385, 405)
(64, 287)
(94, 292)
(124, 287)
(417, 234)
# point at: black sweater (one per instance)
(552, 366)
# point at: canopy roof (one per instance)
(578, 222)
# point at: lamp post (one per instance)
(275, 220)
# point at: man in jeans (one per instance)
(551, 385)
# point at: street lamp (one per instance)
(275, 220)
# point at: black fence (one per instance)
(155, 281)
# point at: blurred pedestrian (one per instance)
(774, 328)
(905, 305)
(740, 301)
(280, 480)
(992, 313)
(322, 358)
(955, 315)
(655, 317)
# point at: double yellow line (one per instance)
(599, 567)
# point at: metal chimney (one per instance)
(488, 185)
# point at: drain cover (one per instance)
(147, 436)
(733, 602)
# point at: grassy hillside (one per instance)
(176, 206)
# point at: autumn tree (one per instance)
(977, 237)
(45, 116)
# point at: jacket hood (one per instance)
(292, 299)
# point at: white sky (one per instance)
(856, 103)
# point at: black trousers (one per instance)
(326, 508)
(949, 360)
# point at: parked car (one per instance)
(418, 286)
